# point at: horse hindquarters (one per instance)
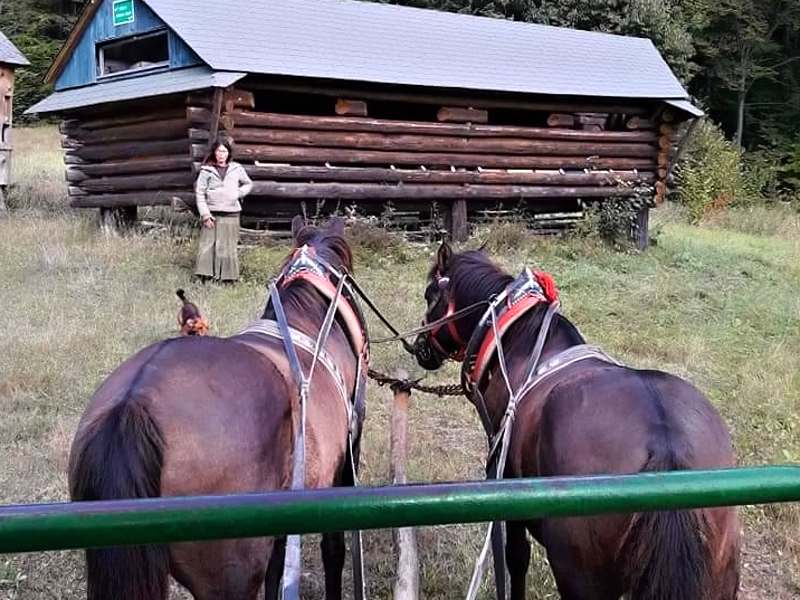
(121, 456)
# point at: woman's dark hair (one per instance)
(210, 159)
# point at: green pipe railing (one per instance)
(160, 520)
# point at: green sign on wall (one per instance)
(123, 12)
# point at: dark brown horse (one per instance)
(589, 418)
(206, 415)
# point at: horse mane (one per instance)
(301, 296)
(474, 277)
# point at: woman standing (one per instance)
(221, 185)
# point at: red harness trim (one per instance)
(326, 288)
(504, 322)
(453, 331)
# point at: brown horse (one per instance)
(590, 417)
(206, 415)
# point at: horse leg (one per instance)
(333, 555)
(518, 557)
(272, 583)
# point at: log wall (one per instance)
(149, 154)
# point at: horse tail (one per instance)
(121, 456)
(665, 555)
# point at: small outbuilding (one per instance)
(338, 103)
(10, 60)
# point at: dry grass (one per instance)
(714, 304)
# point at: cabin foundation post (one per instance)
(456, 220)
(641, 233)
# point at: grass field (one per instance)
(718, 304)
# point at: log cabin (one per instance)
(333, 104)
(10, 60)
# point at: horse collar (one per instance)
(307, 266)
(521, 296)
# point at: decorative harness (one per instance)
(306, 265)
(525, 293)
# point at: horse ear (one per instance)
(298, 223)
(444, 257)
(336, 226)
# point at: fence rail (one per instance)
(28, 528)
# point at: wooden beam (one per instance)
(561, 120)
(300, 154)
(487, 176)
(130, 118)
(132, 199)
(352, 108)
(198, 116)
(127, 183)
(459, 228)
(216, 114)
(134, 166)
(246, 119)
(168, 129)
(456, 114)
(103, 152)
(376, 192)
(639, 123)
(429, 143)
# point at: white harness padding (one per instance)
(270, 329)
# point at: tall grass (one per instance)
(717, 304)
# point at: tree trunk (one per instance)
(740, 117)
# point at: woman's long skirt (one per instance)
(217, 254)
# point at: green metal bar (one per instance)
(161, 520)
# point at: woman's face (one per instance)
(222, 155)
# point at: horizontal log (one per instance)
(662, 160)
(429, 143)
(132, 118)
(639, 123)
(459, 99)
(104, 152)
(371, 191)
(134, 166)
(358, 124)
(353, 108)
(591, 119)
(665, 143)
(561, 120)
(250, 153)
(234, 99)
(156, 181)
(198, 135)
(376, 174)
(198, 116)
(159, 198)
(456, 114)
(74, 191)
(169, 129)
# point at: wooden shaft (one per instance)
(247, 119)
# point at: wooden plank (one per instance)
(157, 198)
(198, 116)
(457, 114)
(169, 129)
(155, 181)
(639, 123)
(430, 143)
(352, 108)
(487, 176)
(375, 192)
(247, 119)
(103, 152)
(299, 154)
(132, 166)
(130, 118)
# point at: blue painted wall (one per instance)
(81, 68)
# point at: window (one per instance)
(133, 54)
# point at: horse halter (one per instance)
(458, 354)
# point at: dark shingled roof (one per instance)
(381, 43)
(9, 54)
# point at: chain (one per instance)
(453, 389)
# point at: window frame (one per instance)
(102, 46)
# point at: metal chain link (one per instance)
(453, 389)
